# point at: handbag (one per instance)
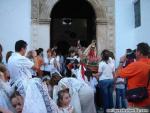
(137, 94)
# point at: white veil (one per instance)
(37, 99)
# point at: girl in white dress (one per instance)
(17, 102)
(91, 81)
(82, 96)
(63, 101)
(5, 89)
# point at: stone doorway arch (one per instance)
(72, 20)
(105, 21)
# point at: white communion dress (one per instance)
(82, 96)
(5, 92)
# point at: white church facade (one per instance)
(31, 20)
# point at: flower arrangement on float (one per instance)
(90, 58)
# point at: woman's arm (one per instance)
(97, 75)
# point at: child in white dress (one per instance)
(82, 96)
(63, 101)
(17, 102)
(5, 89)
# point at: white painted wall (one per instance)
(15, 22)
(142, 33)
(127, 36)
(124, 27)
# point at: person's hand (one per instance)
(123, 59)
(70, 109)
(94, 74)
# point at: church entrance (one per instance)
(72, 20)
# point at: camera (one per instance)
(131, 54)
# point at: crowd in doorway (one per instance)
(31, 82)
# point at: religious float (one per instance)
(90, 57)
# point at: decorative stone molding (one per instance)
(101, 21)
(99, 9)
(105, 20)
(34, 9)
(34, 35)
(41, 9)
(46, 8)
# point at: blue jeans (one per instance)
(106, 90)
(120, 94)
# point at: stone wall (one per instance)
(105, 26)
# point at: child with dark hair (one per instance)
(17, 102)
(5, 89)
(91, 81)
(63, 101)
(82, 96)
(9, 53)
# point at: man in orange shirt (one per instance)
(137, 73)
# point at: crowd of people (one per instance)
(33, 83)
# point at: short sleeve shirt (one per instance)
(106, 70)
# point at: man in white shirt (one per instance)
(28, 87)
(18, 65)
